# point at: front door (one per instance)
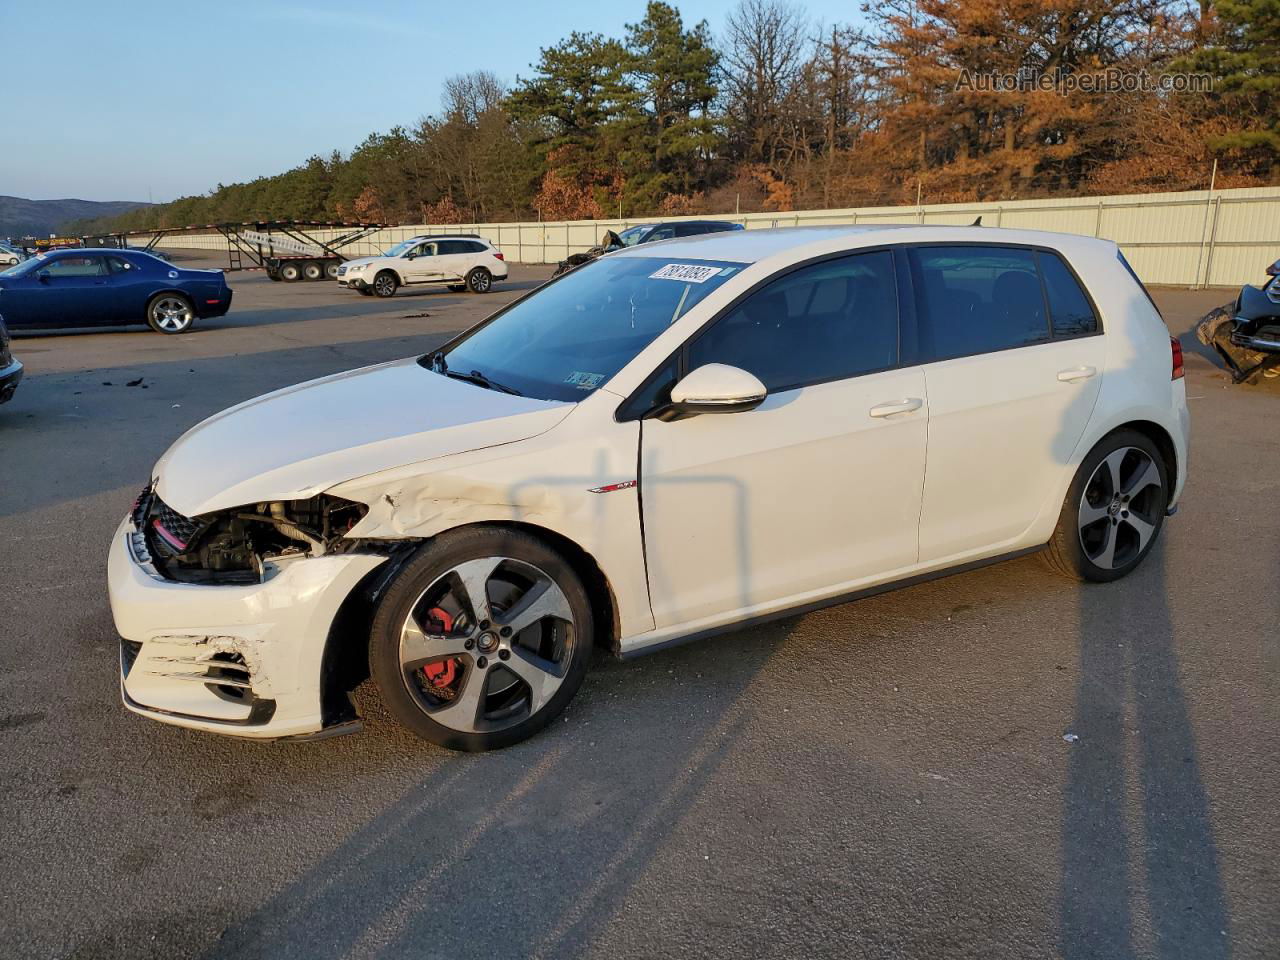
(70, 291)
(815, 491)
(421, 265)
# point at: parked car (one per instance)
(675, 440)
(98, 287)
(1246, 333)
(10, 367)
(10, 255)
(644, 233)
(458, 261)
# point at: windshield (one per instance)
(402, 247)
(564, 340)
(632, 236)
(18, 269)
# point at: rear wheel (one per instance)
(170, 313)
(313, 270)
(479, 280)
(482, 640)
(1114, 510)
(290, 272)
(385, 284)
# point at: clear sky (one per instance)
(138, 99)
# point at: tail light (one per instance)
(498, 255)
(1177, 358)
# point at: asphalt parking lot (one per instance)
(885, 778)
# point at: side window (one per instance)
(662, 233)
(119, 265)
(1069, 308)
(831, 320)
(472, 246)
(689, 229)
(445, 248)
(972, 299)
(77, 267)
(424, 250)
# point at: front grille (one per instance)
(168, 532)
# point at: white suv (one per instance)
(10, 255)
(460, 261)
(681, 438)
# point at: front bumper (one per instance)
(241, 660)
(355, 282)
(10, 377)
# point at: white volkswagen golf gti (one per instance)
(677, 439)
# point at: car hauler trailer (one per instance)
(285, 249)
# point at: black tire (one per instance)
(331, 269)
(170, 313)
(385, 284)
(290, 272)
(408, 594)
(313, 270)
(1078, 548)
(479, 280)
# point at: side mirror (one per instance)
(43, 276)
(713, 388)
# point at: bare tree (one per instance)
(765, 45)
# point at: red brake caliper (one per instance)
(443, 672)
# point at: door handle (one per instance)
(1076, 373)
(894, 407)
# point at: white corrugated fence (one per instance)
(1196, 238)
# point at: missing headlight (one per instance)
(236, 545)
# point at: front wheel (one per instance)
(479, 280)
(1114, 510)
(385, 283)
(170, 313)
(482, 640)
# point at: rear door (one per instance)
(456, 257)
(1012, 362)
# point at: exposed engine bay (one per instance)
(241, 545)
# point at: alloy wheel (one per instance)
(384, 286)
(1120, 508)
(487, 644)
(171, 314)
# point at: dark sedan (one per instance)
(10, 368)
(90, 288)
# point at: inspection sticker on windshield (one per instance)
(584, 381)
(688, 272)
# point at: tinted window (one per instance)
(446, 247)
(1069, 308)
(76, 267)
(119, 265)
(976, 300)
(831, 320)
(473, 246)
(661, 233)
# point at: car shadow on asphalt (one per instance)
(1140, 866)
(471, 860)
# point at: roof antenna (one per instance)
(977, 223)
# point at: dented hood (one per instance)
(297, 442)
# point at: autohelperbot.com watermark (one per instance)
(1066, 82)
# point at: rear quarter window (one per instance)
(1069, 309)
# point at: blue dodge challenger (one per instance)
(89, 288)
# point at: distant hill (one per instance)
(20, 218)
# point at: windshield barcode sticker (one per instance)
(688, 272)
